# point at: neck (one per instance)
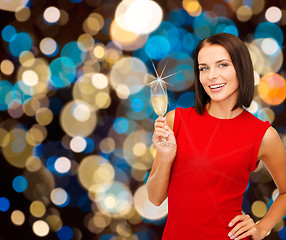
(223, 111)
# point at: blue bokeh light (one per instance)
(84, 203)
(8, 33)
(22, 93)
(6, 89)
(20, 184)
(107, 236)
(224, 24)
(72, 50)
(147, 109)
(190, 42)
(65, 233)
(121, 125)
(187, 99)
(174, 36)
(137, 104)
(282, 233)
(4, 204)
(89, 145)
(63, 72)
(183, 73)
(50, 163)
(131, 127)
(121, 163)
(163, 28)
(269, 30)
(157, 47)
(232, 29)
(179, 17)
(202, 24)
(20, 43)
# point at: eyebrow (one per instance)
(219, 61)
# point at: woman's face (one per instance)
(217, 74)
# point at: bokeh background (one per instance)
(76, 118)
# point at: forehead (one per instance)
(213, 53)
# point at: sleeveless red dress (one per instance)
(210, 173)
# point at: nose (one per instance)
(213, 74)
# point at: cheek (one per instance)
(235, 82)
(203, 81)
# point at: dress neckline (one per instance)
(224, 119)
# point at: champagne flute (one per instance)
(159, 99)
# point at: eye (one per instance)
(223, 64)
(203, 69)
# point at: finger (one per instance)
(237, 219)
(161, 134)
(160, 119)
(234, 231)
(159, 124)
(241, 231)
(246, 234)
(241, 228)
(163, 127)
(167, 127)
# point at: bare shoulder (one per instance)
(271, 142)
(170, 117)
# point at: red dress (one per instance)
(210, 173)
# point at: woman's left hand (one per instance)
(244, 227)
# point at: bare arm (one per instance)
(273, 155)
(158, 181)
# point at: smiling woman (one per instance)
(217, 74)
(206, 174)
(231, 62)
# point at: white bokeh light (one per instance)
(140, 16)
(48, 46)
(62, 165)
(99, 81)
(81, 111)
(59, 196)
(78, 144)
(269, 46)
(52, 15)
(273, 14)
(41, 228)
(30, 78)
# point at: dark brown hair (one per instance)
(242, 63)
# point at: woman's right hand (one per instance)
(162, 130)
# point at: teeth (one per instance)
(217, 86)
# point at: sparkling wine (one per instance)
(160, 104)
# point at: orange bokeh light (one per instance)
(272, 88)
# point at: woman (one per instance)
(219, 144)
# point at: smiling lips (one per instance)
(216, 87)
